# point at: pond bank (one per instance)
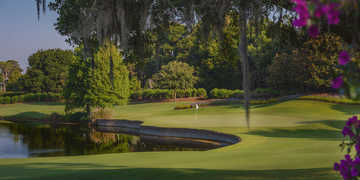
(135, 127)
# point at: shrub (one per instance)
(180, 93)
(7, 100)
(137, 95)
(252, 102)
(225, 93)
(201, 92)
(11, 94)
(188, 93)
(152, 94)
(43, 97)
(237, 93)
(38, 96)
(183, 106)
(21, 98)
(166, 94)
(56, 117)
(266, 92)
(148, 94)
(76, 116)
(14, 99)
(309, 68)
(54, 97)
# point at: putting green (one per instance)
(289, 140)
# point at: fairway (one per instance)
(289, 140)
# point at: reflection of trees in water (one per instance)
(73, 140)
(44, 140)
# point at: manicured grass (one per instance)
(289, 140)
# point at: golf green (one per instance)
(289, 140)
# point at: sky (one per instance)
(22, 34)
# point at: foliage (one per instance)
(265, 92)
(310, 68)
(76, 116)
(135, 84)
(31, 97)
(10, 73)
(225, 93)
(157, 94)
(252, 102)
(175, 75)
(183, 106)
(97, 82)
(47, 71)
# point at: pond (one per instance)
(28, 140)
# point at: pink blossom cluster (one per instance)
(348, 167)
(328, 10)
(344, 58)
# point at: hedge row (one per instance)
(154, 94)
(38, 97)
(225, 93)
(252, 102)
(265, 93)
(11, 94)
(147, 94)
(258, 93)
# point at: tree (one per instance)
(97, 82)
(175, 75)
(10, 72)
(47, 70)
(309, 68)
(126, 23)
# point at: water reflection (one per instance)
(21, 141)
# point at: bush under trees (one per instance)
(310, 68)
(31, 97)
(158, 94)
(175, 75)
(47, 71)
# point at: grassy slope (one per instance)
(290, 140)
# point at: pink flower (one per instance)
(320, 10)
(357, 148)
(332, 13)
(313, 31)
(337, 82)
(352, 121)
(354, 172)
(336, 166)
(303, 12)
(301, 22)
(344, 58)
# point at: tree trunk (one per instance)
(175, 95)
(88, 111)
(4, 82)
(244, 63)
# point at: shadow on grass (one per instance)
(31, 115)
(45, 103)
(347, 109)
(237, 104)
(311, 130)
(71, 171)
(338, 124)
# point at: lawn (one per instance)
(289, 140)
